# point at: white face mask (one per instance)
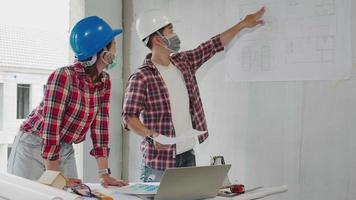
(172, 41)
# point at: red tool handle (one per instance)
(238, 188)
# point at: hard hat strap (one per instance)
(164, 38)
(145, 40)
(90, 62)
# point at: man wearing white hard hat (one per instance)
(162, 96)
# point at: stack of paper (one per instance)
(18, 188)
(113, 191)
(139, 188)
(189, 134)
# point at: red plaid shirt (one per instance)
(147, 95)
(71, 106)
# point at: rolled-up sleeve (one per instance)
(100, 126)
(196, 57)
(56, 94)
(135, 96)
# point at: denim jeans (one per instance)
(26, 161)
(186, 159)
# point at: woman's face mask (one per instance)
(172, 41)
(110, 59)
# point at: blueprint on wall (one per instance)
(301, 40)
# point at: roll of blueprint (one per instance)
(18, 188)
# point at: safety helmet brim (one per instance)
(90, 35)
(151, 21)
(110, 37)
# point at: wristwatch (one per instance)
(104, 171)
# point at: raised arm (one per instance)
(249, 21)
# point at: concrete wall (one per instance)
(299, 133)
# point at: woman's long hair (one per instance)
(92, 70)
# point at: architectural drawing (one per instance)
(299, 36)
(325, 7)
(256, 58)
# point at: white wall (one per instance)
(9, 122)
(10, 80)
(298, 133)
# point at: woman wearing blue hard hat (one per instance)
(75, 101)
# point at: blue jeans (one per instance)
(186, 159)
(26, 161)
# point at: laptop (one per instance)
(189, 183)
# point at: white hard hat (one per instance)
(150, 22)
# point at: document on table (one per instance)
(128, 194)
(139, 188)
(174, 140)
(261, 193)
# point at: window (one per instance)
(23, 100)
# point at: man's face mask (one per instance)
(172, 41)
(110, 59)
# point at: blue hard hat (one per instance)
(90, 35)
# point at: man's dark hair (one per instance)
(150, 37)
